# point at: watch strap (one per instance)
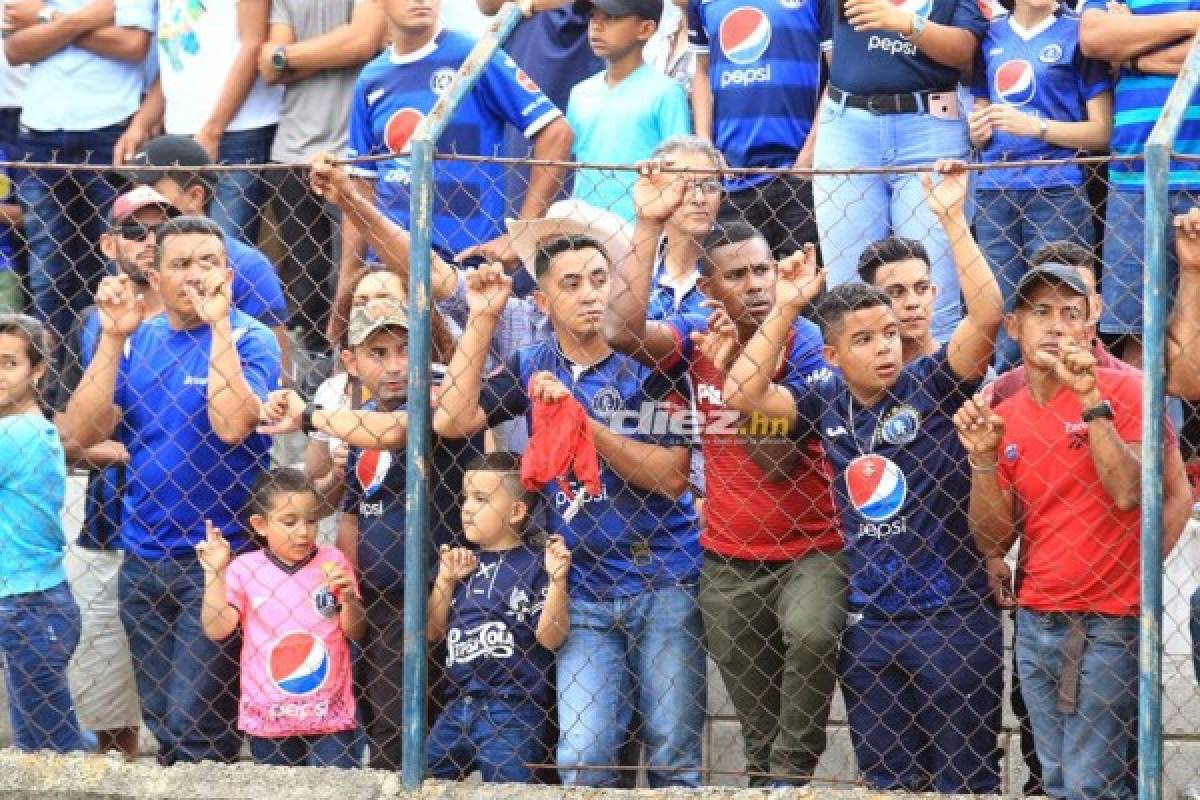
(306, 418)
(1102, 411)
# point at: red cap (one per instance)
(135, 200)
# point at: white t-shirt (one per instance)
(197, 43)
(12, 83)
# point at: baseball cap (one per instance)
(1052, 274)
(133, 201)
(169, 150)
(374, 316)
(571, 217)
(646, 9)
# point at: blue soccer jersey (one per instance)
(882, 62)
(1040, 72)
(394, 93)
(901, 483)
(764, 69)
(627, 540)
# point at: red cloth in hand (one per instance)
(561, 443)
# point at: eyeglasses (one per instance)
(705, 186)
(134, 231)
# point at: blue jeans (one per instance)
(923, 700)
(187, 683)
(1089, 752)
(1194, 628)
(324, 750)
(644, 652)
(1012, 225)
(38, 634)
(65, 213)
(240, 196)
(499, 737)
(855, 210)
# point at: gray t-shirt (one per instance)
(316, 112)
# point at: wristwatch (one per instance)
(306, 418)
(1102, 411)
(279, 58)
(918, 27)
(1043, 128)
(46, 15)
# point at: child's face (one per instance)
(614, 37)
(18, 377)
(491, 512)
(289, 526)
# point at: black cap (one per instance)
(646, 9)
(170, 150)
(1051, 273)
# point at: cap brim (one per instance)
(1038, 277)
(376, 328)
(571, 218)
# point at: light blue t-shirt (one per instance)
(622, 124)
(33, 487)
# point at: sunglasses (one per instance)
(134, 231)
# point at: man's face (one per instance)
(867, 348)
(377, 286)
(743, 280)
(185, 259)
(381, 364)
(701, 198)
(130, 244)
(412, 17)
(910, 287)
(1051, 317)
(574, 292)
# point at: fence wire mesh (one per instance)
(764, 486)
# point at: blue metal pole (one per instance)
(416, 524)
(1158, 165)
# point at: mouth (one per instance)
(886, 370)
(591, 316)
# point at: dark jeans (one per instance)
(498, 737)
(781, 209)
(240, 196)
(379, 679)
(326, 750)
(188, 684)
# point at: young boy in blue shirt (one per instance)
(502, 610)
(621, 114)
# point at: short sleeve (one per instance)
(503, 396)
(135, 14)
(809, 393)
(806, 355)
(514, 96)
(361, 137)
(281, 14)
(979, 77)
(697, 35)
(674, 113)
(259, 353)
(1095, 77)
(257, 290)
(235, 585)
(968, 15)
(352, 494)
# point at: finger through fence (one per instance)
(770, 479)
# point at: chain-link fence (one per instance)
(761, 530)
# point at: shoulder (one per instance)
(374, 69)
(248, 330)
(1124, 383)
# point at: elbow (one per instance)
(1093, 42)
(551, 639)
(1130, 499)
(620, 337)
(554, 141)
(15, 54)
(676, 484)
(735, 395)
(1185, 387)
(135, 44)
(455, 426)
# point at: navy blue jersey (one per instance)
(375, 485)
(764, 69)
(627, 540)
(394, 93)
(491, 641)
(1040, 72)
(902, 484)
(882, 62)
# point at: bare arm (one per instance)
(382, 430)
(1177, 498)
(122, 44)
(354, 249)
(551, 143)
(626, 326)
(702, 98)
(233, 407)
(1183, 329)
(145, 122)
(91, 416)
(651, 467)
(991, 512)
(748, 387)
(1166, 61)
(946, 44)
(349, 45)
(252, 32)
(353, 617)
(347, 537)
(42, 40)
(1117, 37)
(438, 613)
(218, 618)
(458, 413)
(1117, 462)
(555, 620)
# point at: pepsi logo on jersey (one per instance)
(744, 36)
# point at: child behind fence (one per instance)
(297, 603)
(39, 620)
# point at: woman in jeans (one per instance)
(39, 620)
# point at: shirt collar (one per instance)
(1027, 34)
(415, 55)
(290, 569)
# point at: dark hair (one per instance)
(724, 234)
(554, 246)
(442, 340)
(508, 463)
(1070, 253)
(274, 482)
(886, 251)
(846, 299)
(32, 332)
(186, 179)
(181, 226)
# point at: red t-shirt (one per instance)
(1009, 383)
(1080, 552)
(748, 516)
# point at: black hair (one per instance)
(550, 248)
(1066, 252)
(889, 250)
(186, 179)
(30, 331)
(180, 226)
(509, 464)
(724, 234)
(846, 299)
(274, 482)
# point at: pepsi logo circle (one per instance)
(1015, 83)
(876, 487)
(399, 129)
(745, 35)
(298, 663)
(371, 470)
(527, 83)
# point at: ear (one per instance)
(541, 301)
(350, 363)
(258, 523)
(830, 354)
(1011, 327)
(646, 29)
(38, 373)
(197, 197)
(518, 514)
(1095, 308)
(153, 277)
(108, 246)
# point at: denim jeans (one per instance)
(187, 683)
(65, 213)
(1194, 629)
(644, 652)
(323, 750)
(39, 632)
(498, 736)
(855, 210)
(1011, 225)
(1091, 751)
(923, 700)
(240, 195)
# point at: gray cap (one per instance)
(1050, 273)
(375, 316)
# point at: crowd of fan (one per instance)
(707, 406)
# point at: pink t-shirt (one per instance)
(296, 678)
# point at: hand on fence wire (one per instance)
(328, 180)
(283, 413)
(801, 279)
(120, 305)
(947, 197)
(657, 194)
(214, 552)
(979, 428)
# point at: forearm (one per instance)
(458, 404)
(1090, 134)
(990, 511)
(10, 215)
(1165, 61)
(330, 488)
(347, 46)
(353, 618)
(285, 353)
(154, 105)
(217, 617)
(981, 293)
(381, 430)
(38, 42)
(98, 456)
(702, 100)
(625, 321)
(552, 143)
(650, 467)
(233, 407)
(1177, 499)
(948, 45)
(749, 377)
(122, 44)
(555, 621)
(1119, 467)
(437, 615)
(1183, 332)
(242, 74)
(1114, 37)
(90, 416)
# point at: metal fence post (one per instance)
(416, 527)
(1158, 165)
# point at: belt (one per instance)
(903, 103)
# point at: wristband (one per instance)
(977, 468)
(306, 418)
